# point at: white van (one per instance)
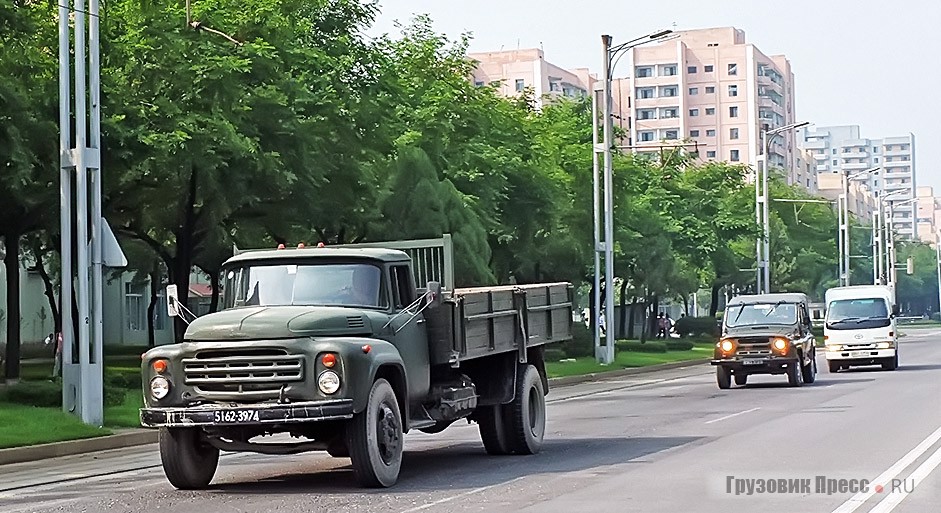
(860, 327)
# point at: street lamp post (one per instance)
(763, 244)
(882, 228)
(604, 208)
(937, 247)
(844, 223)
(891, 255)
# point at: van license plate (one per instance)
(235, 416)
(860, 354)
(753, 361)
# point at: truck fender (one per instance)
(382, 360)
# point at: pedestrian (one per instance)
(661, 326)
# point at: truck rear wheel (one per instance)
(188, 461)
(526, 415)
(723, 377)
(375, 438)
(493, 429)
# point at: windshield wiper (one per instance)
(847, 319)
(740, 310)
(773, 307)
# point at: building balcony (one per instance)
(815, 145)
(855, 155)
(897, 153)
(897, 163)
(855, 166)
(822, 167)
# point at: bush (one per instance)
(582, 343)
(48, 394)
(128, 379)
(697, 327)
(649, 347)
(679, 345)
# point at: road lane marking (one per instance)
(854, 502)
(732, 415)
(460, 495)
(920, 473)
(624, 387)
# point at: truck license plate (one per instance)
(235, 416)
(859, 354)
(753, 361)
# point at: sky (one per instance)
(856, 62)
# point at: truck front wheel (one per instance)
(188, 461)
(375, 438)
(526, 415)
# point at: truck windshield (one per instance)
(854, 314)
(299, 284)
(762, 314)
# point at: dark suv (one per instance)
(766, 334)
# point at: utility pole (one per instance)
(845, 247)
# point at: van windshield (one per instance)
(854, 314)
(762, 314)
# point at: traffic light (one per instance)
(910, 266)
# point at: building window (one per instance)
(711, 154)
(710, 133)
(668, 91)
(668, 70)
(520, 84)
(479, 83)
(671, 134)
(707, 69)
(691, 69)
(733, 112)
(694, 133)
(733, 69)
(644, 72)
(694, 112)
(733, 133)
(733, 90)
(875, 149)
(876, 160)
(134, 310)
(833, 151)
(671, 112)
(646, 114)
(646, 136)
(645, 92)
(693, 91)
(710, 90)
(710, 111)
(733, 155)
(835, 161)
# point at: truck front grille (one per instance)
(243, 371)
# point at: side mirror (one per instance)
(435, 297)
(895, 310)
(173, 301)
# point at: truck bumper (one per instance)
(247, 415)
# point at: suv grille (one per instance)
(754, 347)
(242, 370)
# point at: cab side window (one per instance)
(402, 294)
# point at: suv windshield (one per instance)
(762, 314)
(300, 284)
(853, 314)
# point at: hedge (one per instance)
(648, 347)
(697, 327)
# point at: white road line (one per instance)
(460, 495)
(732, 415)
(860, 498)
(619, 388)
(920, 473)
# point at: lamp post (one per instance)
(891, 259)
(880, 256)
(844, 223)
(937, 247)
(763, 244)
(604, 209)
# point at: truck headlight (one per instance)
(159, 387)
(329, 382)
(834, 347)
(884, 345)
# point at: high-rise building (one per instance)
(841, 149)
(713, 88)
(927, 213)
(515, 71)
(804, 172)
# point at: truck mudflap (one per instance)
(248, 414)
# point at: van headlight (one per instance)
(329, 382)
(834, 347)
(884, 345)
(159, 387)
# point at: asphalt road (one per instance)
(656, 442)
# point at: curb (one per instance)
(604, 376)
(68, 448)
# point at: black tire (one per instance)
(493, 430)
(834, 367)
(436, 428)
(810, 370)
(337, 448)
(526, 415)
(795, 374)
(374, 438)
(723, 377)
(189, 462)
(890, 364)
(741, 379)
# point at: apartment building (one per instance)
(718, 91)
(804, 172)
(842, 149)
(862, 199)
(515, 71)
(927, 214)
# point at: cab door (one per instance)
(808, 340)
(409, 332)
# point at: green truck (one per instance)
(339, 350)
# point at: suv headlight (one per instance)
(329, 382)
(159, 387)
(780, 344)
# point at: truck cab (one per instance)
(860, 327)
(766, 334)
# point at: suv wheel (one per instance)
(741, 379)
(795, 376)
(810, 370)
(724, 377)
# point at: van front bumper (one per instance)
(863, 355)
